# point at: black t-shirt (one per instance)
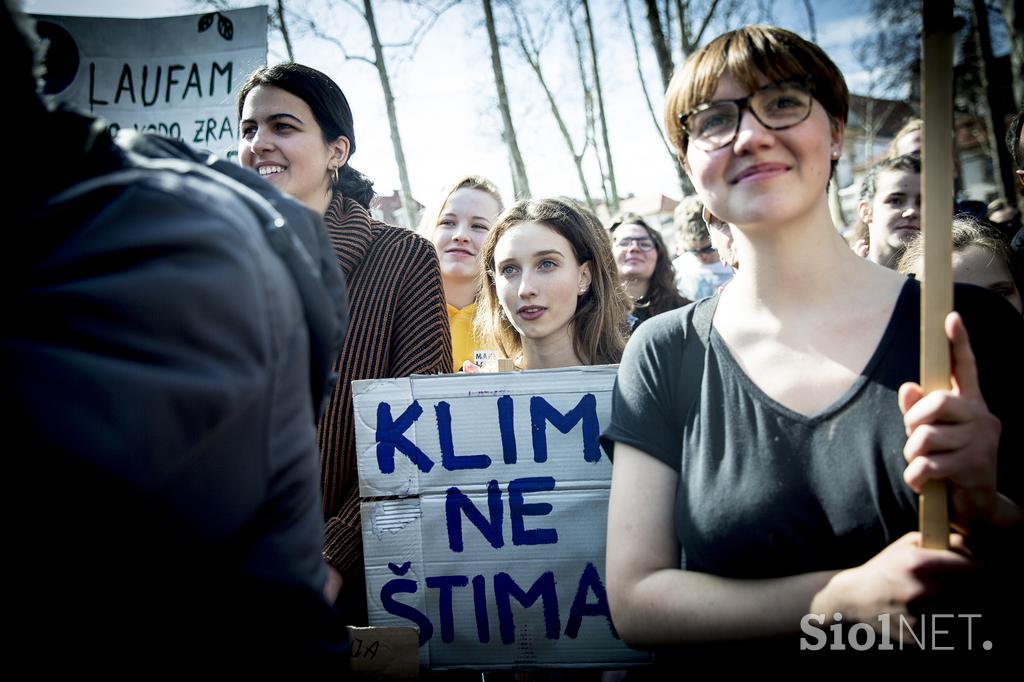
(766, 492)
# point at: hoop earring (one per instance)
(334, 172)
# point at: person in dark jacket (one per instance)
(166, 347)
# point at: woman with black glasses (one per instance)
(641, 258)
(769, 440)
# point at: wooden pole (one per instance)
(936, 233)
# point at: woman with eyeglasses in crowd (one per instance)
(551, 296)
(644, 268)
(770, 440)
(297, 132)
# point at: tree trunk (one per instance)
(520, 183)
(684, 182)
(666, 22)
(692, 41)
(1002, 164)
(661, 48)
(283, 27)
(389, 103)
(1013, 15)
(590, 134)
(684, 29)
(532, 56)
(613, 190)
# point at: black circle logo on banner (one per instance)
(61, 60)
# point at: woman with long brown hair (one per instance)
(551, 295)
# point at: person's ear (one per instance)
(585, 278)
(864, 212)
(340, 150)
(838, 130)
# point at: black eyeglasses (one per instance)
(702, 250)
(776, 106)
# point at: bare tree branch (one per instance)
(355, 8)
(421, 30)
(588, 95)
(613, 189)
(662, 49)
(282, 26)
(703, 26)
(684, 182)
(810, 20)
(520, 182)
(389, 104)
(315, 30)
(666, 21)
(684, 28)
(531, 52)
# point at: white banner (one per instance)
(176, 76)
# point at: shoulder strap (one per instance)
(703, 312)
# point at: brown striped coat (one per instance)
(398, 325)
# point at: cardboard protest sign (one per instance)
(484, 515)
(176, 76)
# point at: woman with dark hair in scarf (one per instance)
(297, 132)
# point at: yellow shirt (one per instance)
(463, 340)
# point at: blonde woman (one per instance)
(457, 227)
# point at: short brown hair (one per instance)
(599, 323)
(747, 54)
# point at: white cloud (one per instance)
(843, 33)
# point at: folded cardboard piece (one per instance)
(484, 515)
(384, 653)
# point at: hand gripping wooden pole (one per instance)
(936, 231)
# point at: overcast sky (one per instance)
(446, 98)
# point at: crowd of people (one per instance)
(185, 335)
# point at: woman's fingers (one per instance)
(908, 396)
(941, 408)
(965, 369)
(951, 435)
